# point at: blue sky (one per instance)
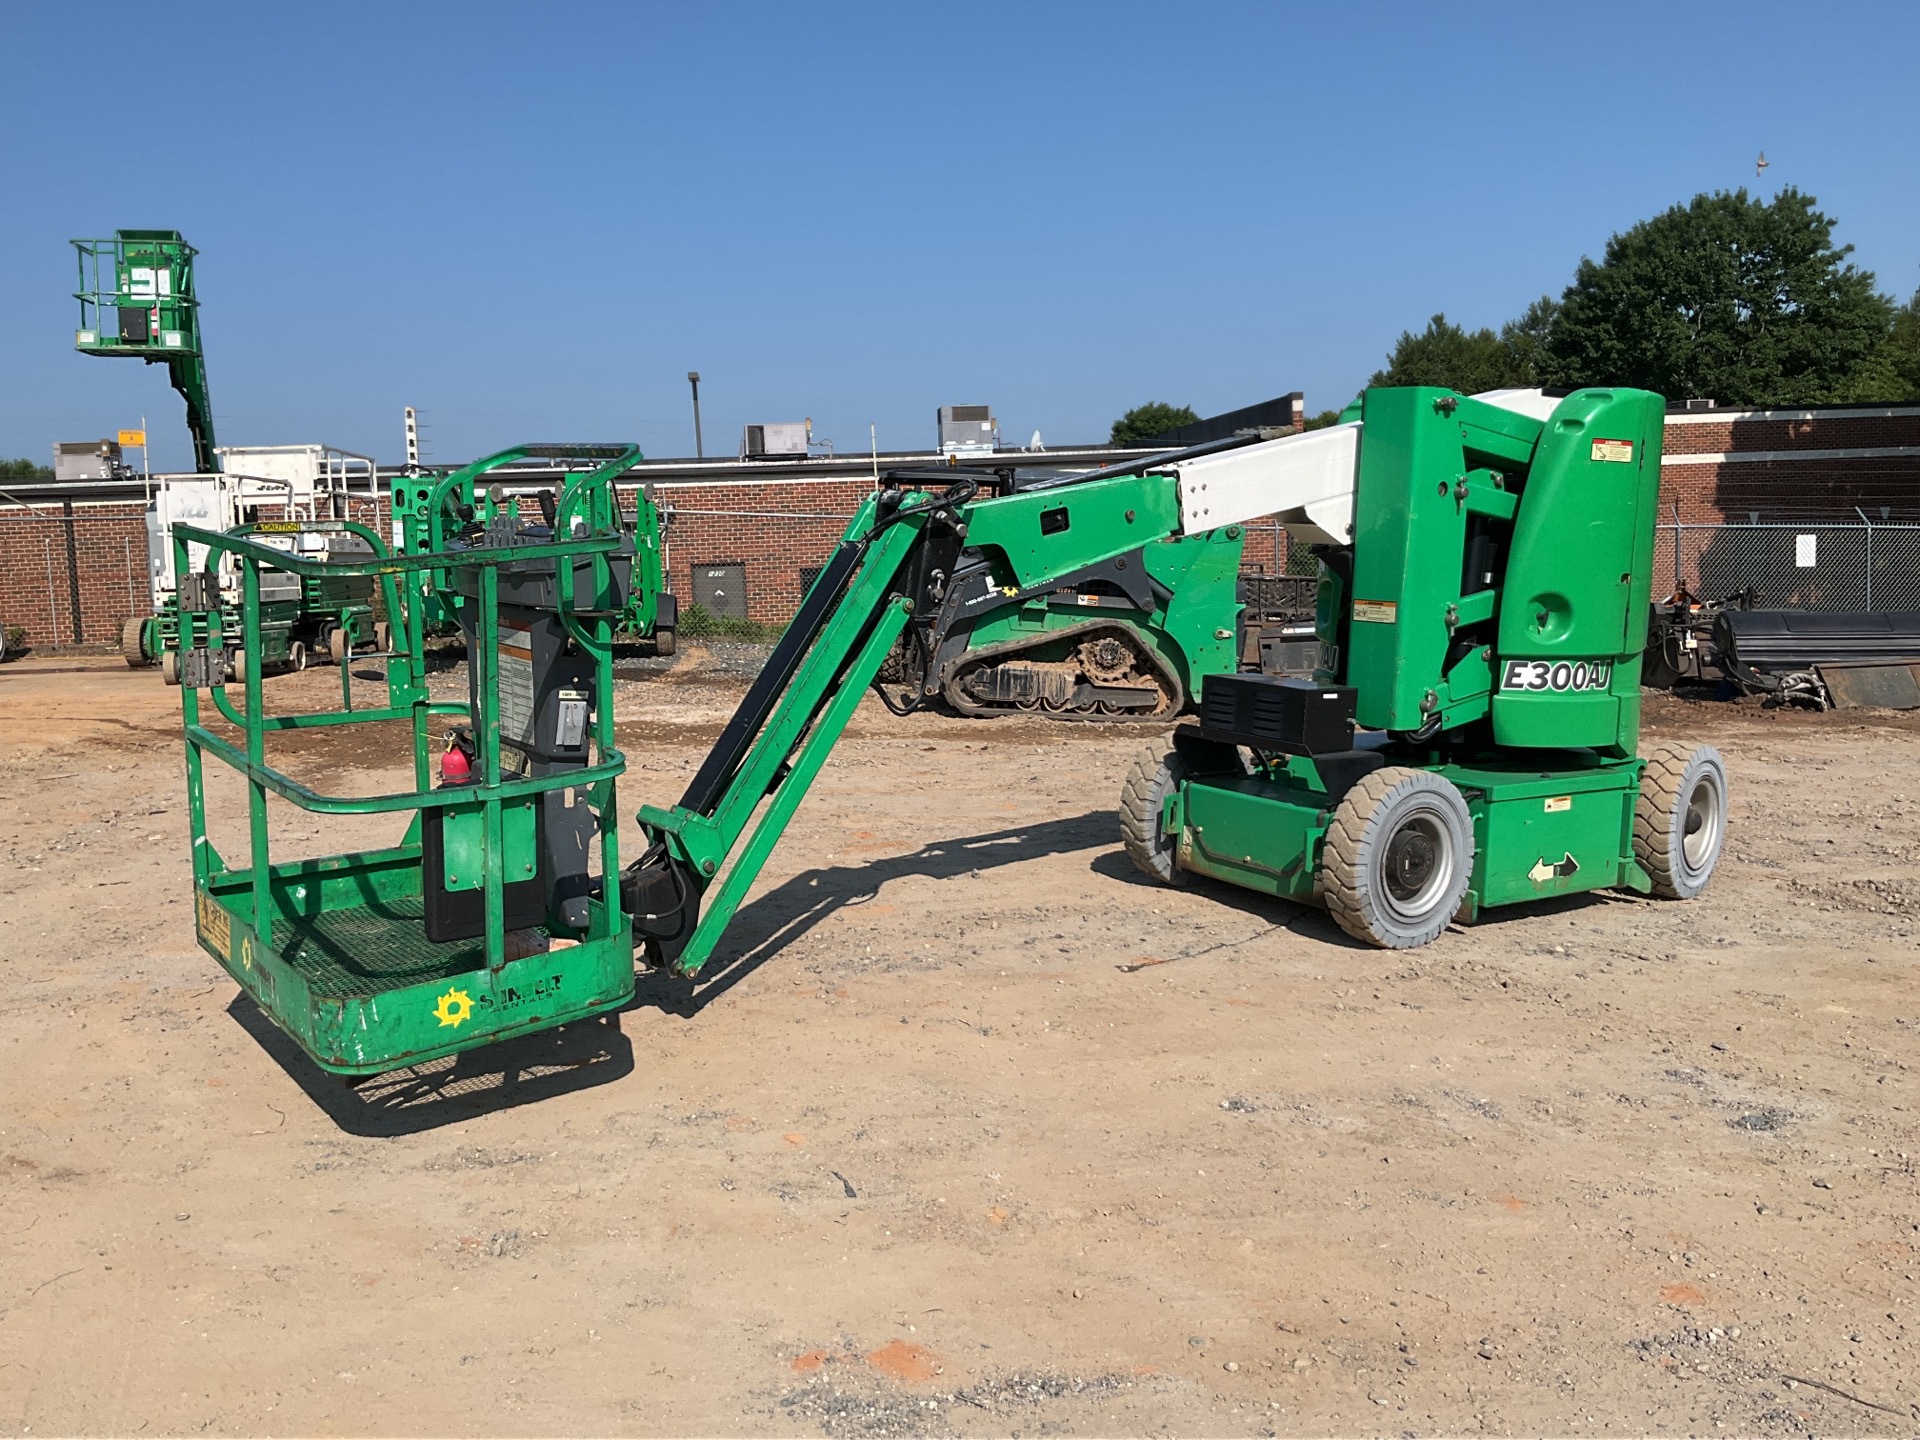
(532, 221)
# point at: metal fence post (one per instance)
(53, 609)
(1869, 524)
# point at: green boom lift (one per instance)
(1471, 744)
(137, 300)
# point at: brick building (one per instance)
(1787, 465)
(73, 558)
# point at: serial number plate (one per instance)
(1556, 675)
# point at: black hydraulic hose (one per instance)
(729, 752)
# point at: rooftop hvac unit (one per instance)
(968, 430)
(783, 440)
(87, 460)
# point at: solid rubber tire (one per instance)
(1667, 784)
(339, 644)
(1364, 821)
(132, 648)
(170, 666)
(1156, 770)
(297, 657)
(383, 637)
(664, 641)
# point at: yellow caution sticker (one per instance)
(213, 923)
(1557, 803)
(1376, 612)
(278, 527)
(1615, 451)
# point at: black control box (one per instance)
(1267, 712)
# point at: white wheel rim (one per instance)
(1702, 818)
(1414, 866)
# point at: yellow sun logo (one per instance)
(455, 1008)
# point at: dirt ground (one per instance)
(973, 1131)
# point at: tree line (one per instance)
(1730, 298)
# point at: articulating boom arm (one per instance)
(893, 563)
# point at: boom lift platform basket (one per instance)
(488, 918)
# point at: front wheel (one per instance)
(133, 643)
(1157, 770)
(296, 657)
(1680, 824)
(170, 666)
(1398, 858)
(664, 641)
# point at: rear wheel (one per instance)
(383, 636)
(170, 666)
(133, 647)
(339, 644)
(1680, 825)
(297, 656)
(1398, 858)
(664, 641)
(1157, 770)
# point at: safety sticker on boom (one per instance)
(1556, 675)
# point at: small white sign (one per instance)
(1805, 549)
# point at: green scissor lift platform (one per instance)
(340, 950)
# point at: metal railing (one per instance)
(1829, 563)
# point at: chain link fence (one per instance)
(1805, 565)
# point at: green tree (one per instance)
(1527, 339)
(1744, 301)
(1892, 371)
(1143, 422)
(1903, 352)
(1467, 360)
(24, 470)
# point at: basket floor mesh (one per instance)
(371, 949)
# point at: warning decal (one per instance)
(213, 922)
(1377, 612)
(1614, 450)
(516, 682)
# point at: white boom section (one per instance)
(1304, 481)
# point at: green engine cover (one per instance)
(1573, 617)
(1501, 566)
